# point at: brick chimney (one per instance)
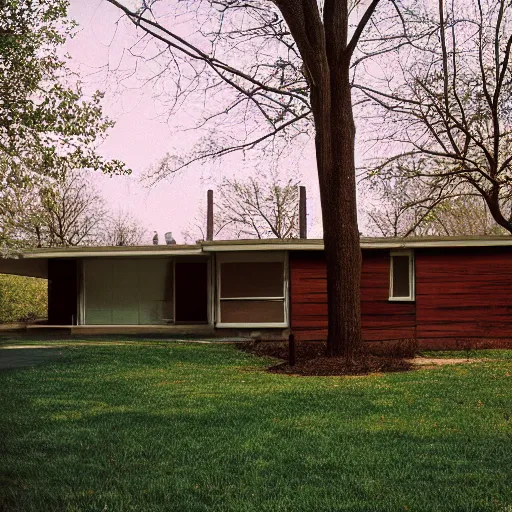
(209, 216)
(303, 221)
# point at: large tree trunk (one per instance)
(335, 141)
(326, 56)
(341, 232)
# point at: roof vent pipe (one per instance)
(209, 216)
(303, 222)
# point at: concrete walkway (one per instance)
(11, 358)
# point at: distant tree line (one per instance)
(63, 212)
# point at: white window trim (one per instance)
(252, 258)
(412, 276)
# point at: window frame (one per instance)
(412, 276)
(252, 257)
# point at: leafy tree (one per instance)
(22, 298)
(263, 207)
(54, 213)
(122, 229)
(259, 207)
(46, 125)
(404, 208)
(67, 212)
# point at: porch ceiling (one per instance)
(24, 267)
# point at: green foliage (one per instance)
(191, 427)
(22, 298)
(46, 125)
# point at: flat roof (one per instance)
(91, 252)
(264, 245)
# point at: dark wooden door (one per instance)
(62, 292)
(191, 291)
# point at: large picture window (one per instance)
(128, 291)
(401, 278)
(251, 290)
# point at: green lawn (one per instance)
(191, 427)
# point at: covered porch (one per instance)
(131, 290)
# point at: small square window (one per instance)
(401, 279)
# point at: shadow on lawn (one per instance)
(195, 428)
(251, 454)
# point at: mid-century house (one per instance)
(433, 289)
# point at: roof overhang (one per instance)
(23, 267)
(113, 252)
(264, 245)
(35, 262)
(435, 242)
(366, 243)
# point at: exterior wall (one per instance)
(464, 293)
(381, 319)
(461, 294)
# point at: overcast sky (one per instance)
(141, 137)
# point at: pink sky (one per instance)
(140, 138)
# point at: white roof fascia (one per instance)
(365, 244)
(262, 247)
(310, 245)
(110, 254)
(431, 244)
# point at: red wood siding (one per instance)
(461, 294)
(381, 318)
(464, 293)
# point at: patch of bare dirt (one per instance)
(439, 361)
(279, 349)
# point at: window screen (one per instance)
(251, 279)
(252, 311)
(401, 286)
(252, 292)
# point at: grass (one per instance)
(190, 427)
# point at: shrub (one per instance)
(22, 298)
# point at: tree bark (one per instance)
(326, 56)
(335, 140)
(340, 227)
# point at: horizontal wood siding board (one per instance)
(381, 319)
(464, 293)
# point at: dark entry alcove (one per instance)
(62, 292)
(191, 291)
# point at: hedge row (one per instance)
(22, 298)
